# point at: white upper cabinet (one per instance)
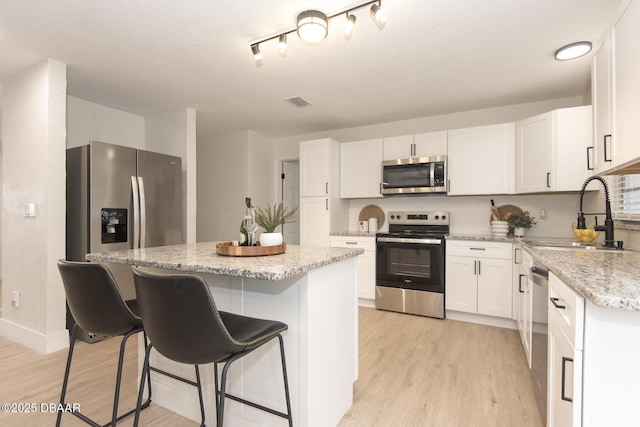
(615, 85)
(398, 147)
(552, 151)
(601, 99)
(481, 160)
(626, 86)
(429, 144)
(361, 169)
(319, 167)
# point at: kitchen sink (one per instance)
(569, 245)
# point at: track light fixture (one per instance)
(313, 26)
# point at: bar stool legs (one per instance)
(222, 394)
(114, 417)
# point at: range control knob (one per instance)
(437, 217)
(444, 217)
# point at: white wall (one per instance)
(223, 183)
(33, 168)
(87, 121)
(230, 168)
(174, 133)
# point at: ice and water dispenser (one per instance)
(114, 225)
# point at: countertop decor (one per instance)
(227, 249)
(372, 211)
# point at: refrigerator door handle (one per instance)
(136, 212)
(143, 214)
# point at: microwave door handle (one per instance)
(432, 174)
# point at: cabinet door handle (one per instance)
(520, 283)
(478, 249)
(604, 143)
(475, 267)
(515, 256)
(326, 188)
(479, 267)
(548, 179)
(562, 384)
(554, 301)
(326, 204)
(589, 167)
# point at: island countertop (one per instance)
(202, 258)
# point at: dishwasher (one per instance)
(539, 325)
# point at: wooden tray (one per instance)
(227, 249)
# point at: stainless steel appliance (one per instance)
(539, 335)
(416, 175)
(410, 263)
(121, 198)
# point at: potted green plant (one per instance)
(519, 222)
(271, 218)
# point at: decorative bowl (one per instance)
(586, 235)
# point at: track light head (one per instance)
(313, 26)
(257, 55)
(351, 23)
(282, 43)
(378, 13)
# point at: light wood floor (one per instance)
(414, 371)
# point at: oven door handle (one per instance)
(409, 240)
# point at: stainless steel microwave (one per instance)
(416, 175)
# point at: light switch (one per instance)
(30, 209)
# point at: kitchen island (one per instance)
(311, 289)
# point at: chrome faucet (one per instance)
(608, 221)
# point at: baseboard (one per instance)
(34, 340)
(366, 302)
(500, 322)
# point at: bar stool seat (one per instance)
(97, 307)
(184, 325)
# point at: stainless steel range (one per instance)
(410, 263)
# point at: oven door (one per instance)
(410, 263)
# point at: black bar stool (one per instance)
(98, 307)
(184, 325)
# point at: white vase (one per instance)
(270, 239)
(518, 232)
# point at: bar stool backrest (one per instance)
(94, 299)
(181, 319)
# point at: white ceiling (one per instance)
(432, 57)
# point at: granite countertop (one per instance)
(608, 279)
(480, 237)
(202, 258)
(353, 233)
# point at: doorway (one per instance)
(289, 195)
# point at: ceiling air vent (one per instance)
(297, 101)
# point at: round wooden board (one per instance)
(372, 211)
(227, 249)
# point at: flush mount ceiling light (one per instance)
(573, 51)
(313, 26)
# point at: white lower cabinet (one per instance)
(478, 278)
(523, 298)
(366, 262)
(564, 376)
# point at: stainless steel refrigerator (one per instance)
(121, 198)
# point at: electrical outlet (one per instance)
(15, 299)
(543, 214)
(30, 209)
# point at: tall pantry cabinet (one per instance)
(321, 209)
